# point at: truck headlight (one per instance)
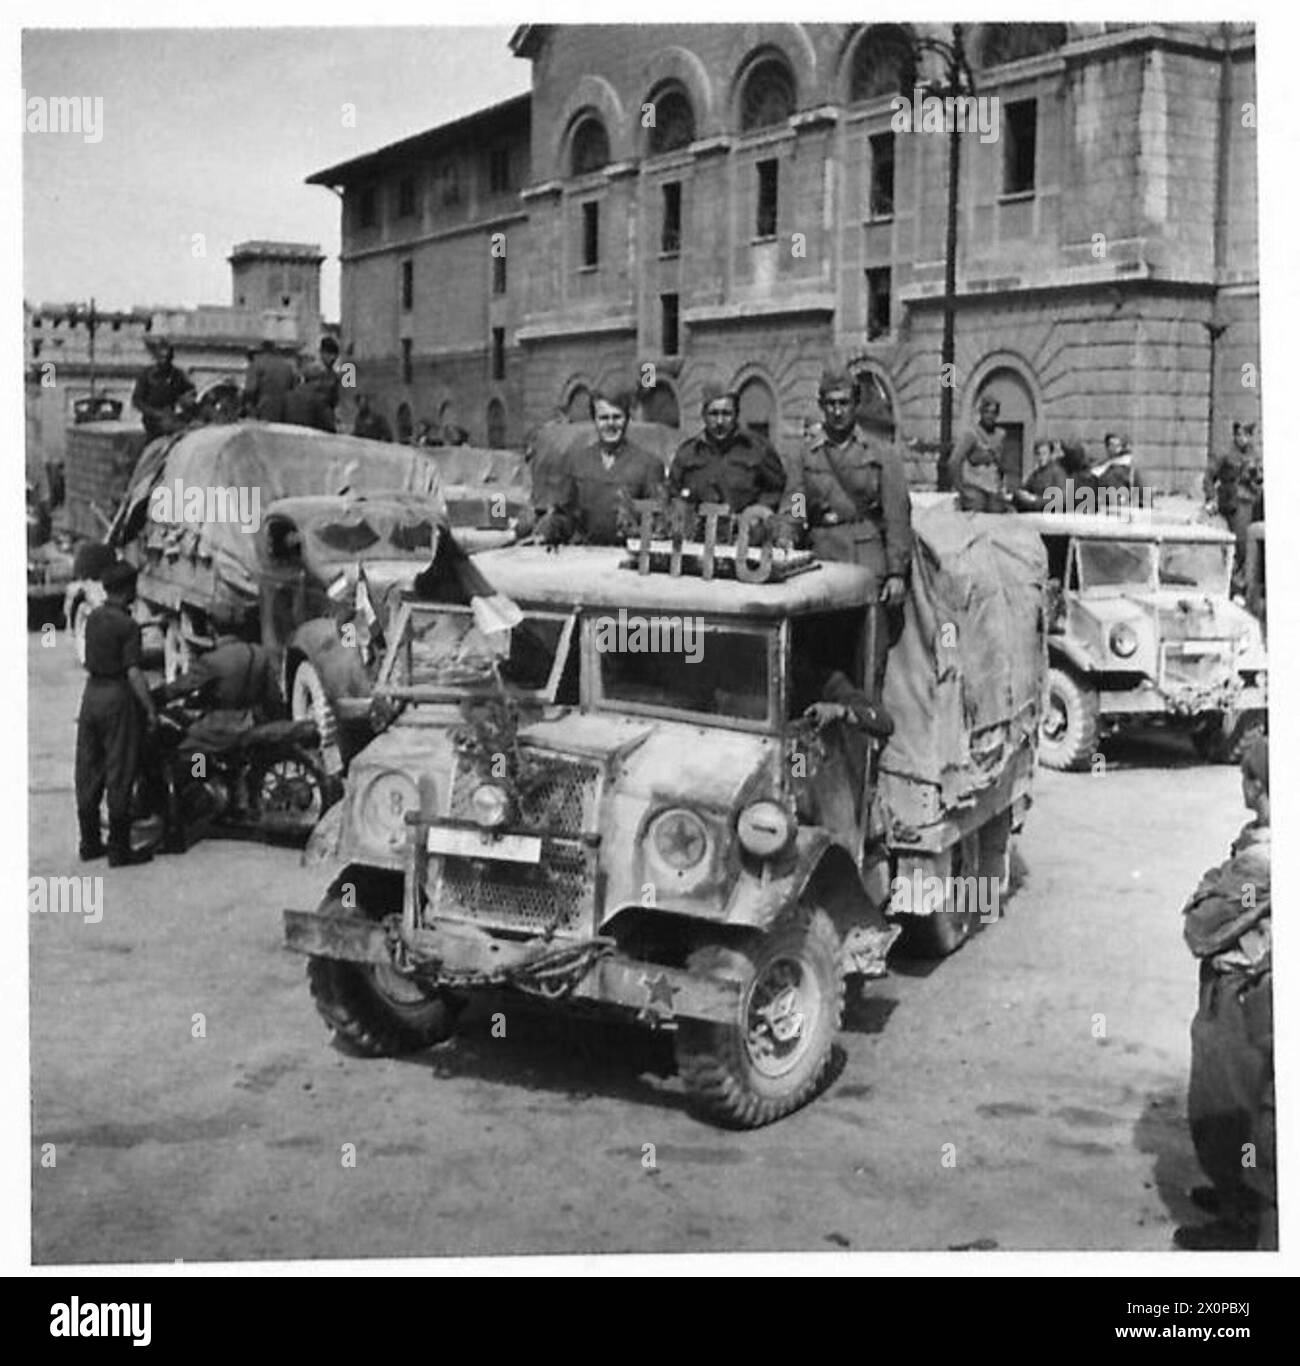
(764, 829)
(384, 805)
(1123, 640)
(680, 839)
(490, 805)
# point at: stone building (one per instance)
(741, 203)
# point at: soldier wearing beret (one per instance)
(849, 491)
(726, 463)
(1227, 925)
(115, 709)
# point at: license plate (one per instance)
(475, 844)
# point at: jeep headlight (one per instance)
(680, 839)
(384, 804)
(764, 829)
(489, 805)
(1123, 640)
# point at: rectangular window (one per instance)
(878, 302)
(448, 184)
(408, 369)
(765, 222)
(498, 275)
(366, 207)
(406, 197)
(498, 353)
(499, 170)
(591, 235)
(1019, 146)
(882, 176)
(670, 234)
(408, 286)
(668, 323)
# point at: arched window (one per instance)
(496, 424)
(768, 95)
(1010, 42)
(757, 407)
(404, 424)
(883, 64)
(674, 121)
(589, 146)
(660, 405)
(578, 408)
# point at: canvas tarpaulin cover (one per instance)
(279, 461)
(965, 680)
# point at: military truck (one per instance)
(628, 789)
(1142, 628)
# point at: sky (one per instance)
(211, 132)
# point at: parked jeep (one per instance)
(622, 799)
(1142, 627)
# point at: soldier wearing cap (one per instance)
(270, 377)
(115, 707)
(591, 491)
(158, 390)
(726, 463)
(975, 466)
(1227, 924)
(1234, 483)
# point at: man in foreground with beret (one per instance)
(1227, 924)
(115, 709)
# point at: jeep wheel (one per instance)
(1220, 737)
(946, 929)
(1068, 735)
(375, 1009)
(775, 1056)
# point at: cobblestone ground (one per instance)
(229, 1146)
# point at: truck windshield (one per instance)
(1194, 564)
(684, 666)
(1107, 563)
(440, 649)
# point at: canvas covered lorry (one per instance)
(636, 790)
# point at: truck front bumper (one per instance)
(457, 953)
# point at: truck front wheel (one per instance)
(375, 1009)
(1068, 735)
(775, 1055)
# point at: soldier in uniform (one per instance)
(270, 377)
(975, 466)
(370, 423)
(1227, 924)
(115, 708)
(158, 389)
(850, 493)
(592, 490)
(1235, 484)
(724, 463)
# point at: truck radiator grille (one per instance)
(1208, 670)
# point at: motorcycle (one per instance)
(263, 782)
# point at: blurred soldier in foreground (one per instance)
(590, 492)
(1230, 1103)
(725, 464)
(159, 391)
(371, 424)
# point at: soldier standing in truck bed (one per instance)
(158, 389)
(849, 492)
(726, 463)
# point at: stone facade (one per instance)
(1107, 274)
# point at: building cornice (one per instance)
(477, 225)
(712, 315)
(554, 328)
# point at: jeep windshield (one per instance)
(1108, 564)
(1196, 564)
(685, 668)
(441, 652)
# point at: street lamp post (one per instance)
(957, 73)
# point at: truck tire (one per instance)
(1068, 736)
(943, 932)
(1220, 737)
(742, 1075)
(375, 1010)
(308, 701)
